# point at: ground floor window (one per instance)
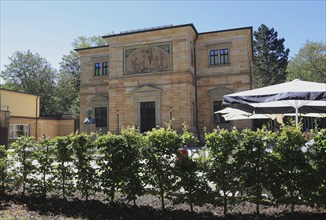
(17, 130)
(217, 117)
(101, 117)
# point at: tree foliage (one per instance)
(270, 58)
(67, 93)
(33, 74)
(309, 64)
(59, 90)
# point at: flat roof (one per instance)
(137, 31)
(233, 29)
(87, 48)
(10, 90)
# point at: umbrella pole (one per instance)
(296, 116)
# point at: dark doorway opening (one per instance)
(4, 136)
(147, 116)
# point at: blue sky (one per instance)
(49, 27)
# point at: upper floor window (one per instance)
(224, 56)
(17, 130)
(101, 117)
(213, 57)
(101, 69)
(219, 56)
(97, 69)
(105, 68)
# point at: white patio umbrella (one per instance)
(291, 97)
(230, 114)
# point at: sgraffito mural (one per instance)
(149, 58)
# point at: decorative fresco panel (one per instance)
(147, 59)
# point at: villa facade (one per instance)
(151, 76)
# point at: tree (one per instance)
(309, 64)
(67, 94)
(33, 74)
(270, 58)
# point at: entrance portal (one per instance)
(147, 116)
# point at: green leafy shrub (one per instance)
(253, 158)
(222, 166)
(83, 149)
(132, 184)
(318, 162)
(191, 183)
(63, 168)
(111, 162)
(24, 148)
(160, 156)
(43, 170)
(5, 164)
(292, 171)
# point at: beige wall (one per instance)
(20, 104)
(50, 127)
(175, 87)
(214, 81)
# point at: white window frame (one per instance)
(15, 128)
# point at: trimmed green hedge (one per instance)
(241, 166)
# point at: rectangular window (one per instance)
(105, 68)
(97, 69)
(101, 117)
(218, 118)
(224, 56)
(18, 130)
(213, 57)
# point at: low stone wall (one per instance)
(53, 127)
(47, 126)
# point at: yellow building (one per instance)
(20, 114)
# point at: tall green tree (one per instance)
(67, 94)
(69, 75)
(270, 57)
(31, 73)
(309, 64)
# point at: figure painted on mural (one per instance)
(89, 119)
(148, 59)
